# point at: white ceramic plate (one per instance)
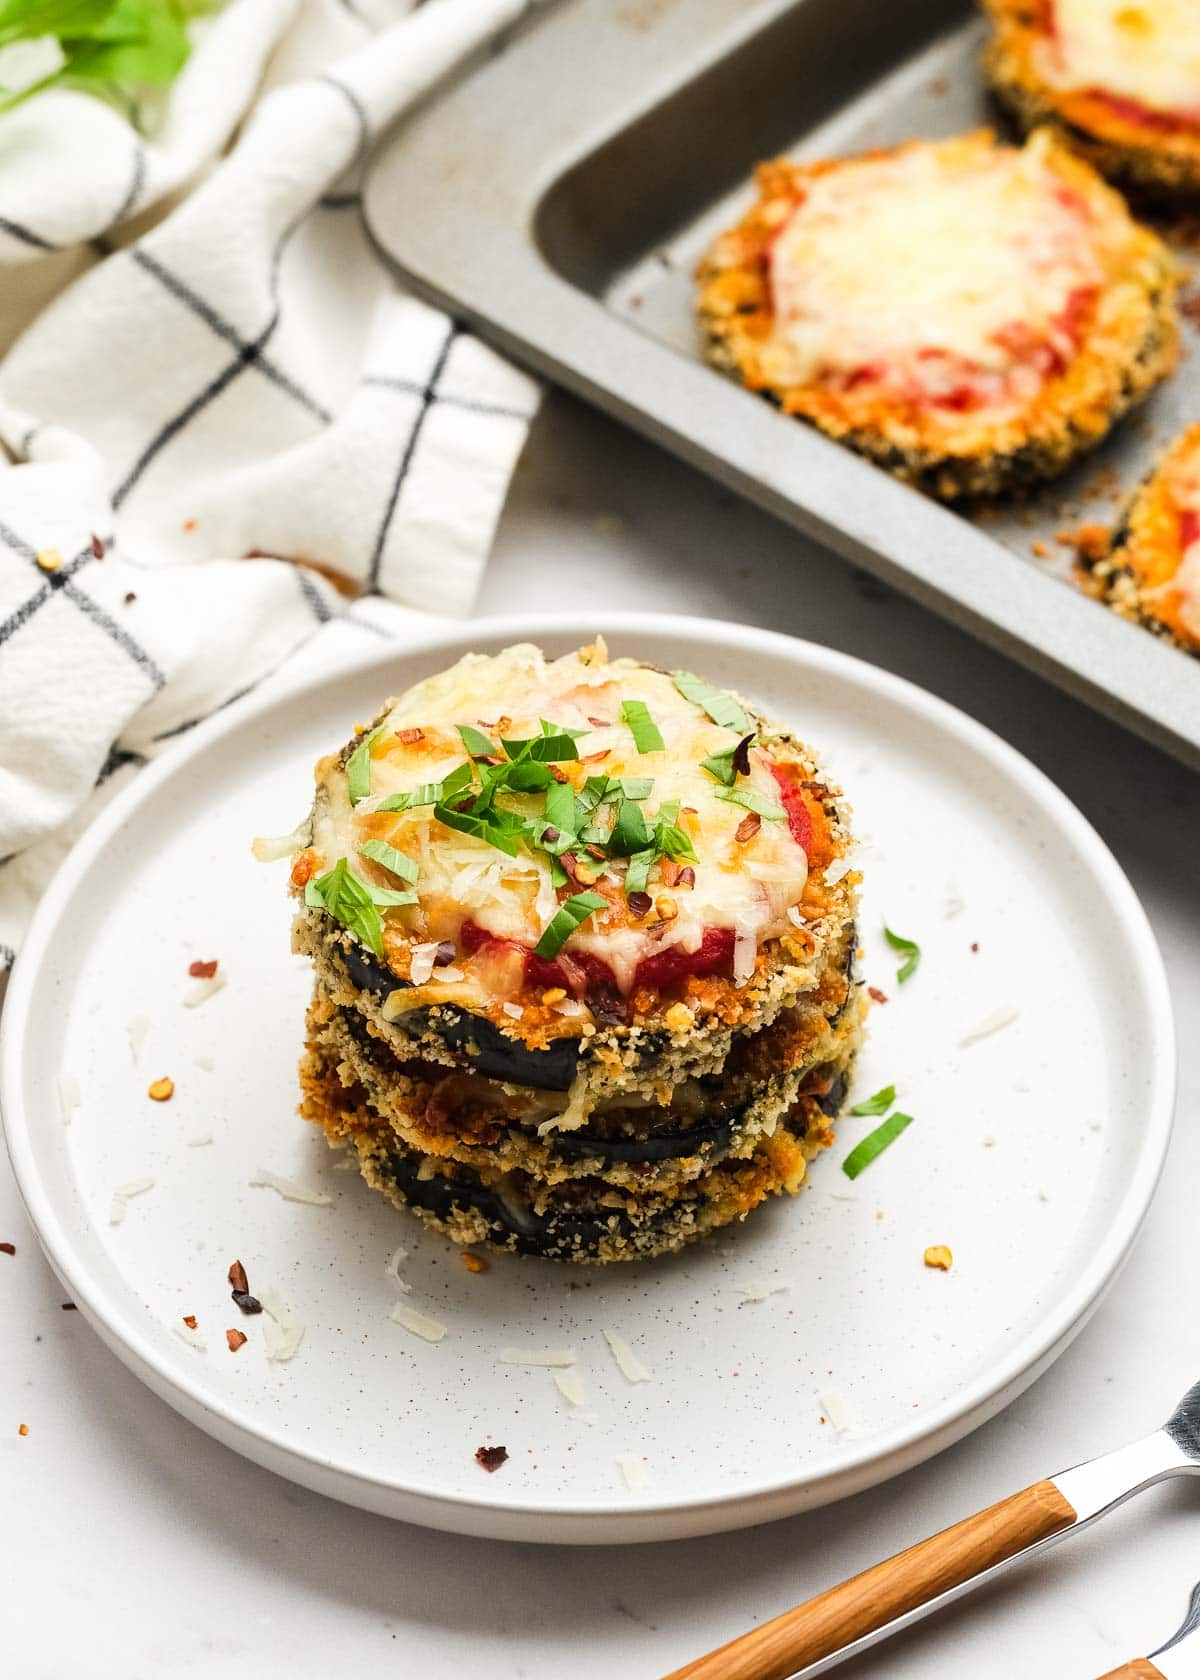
(1034, 1151)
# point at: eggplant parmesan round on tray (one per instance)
(970, 315)
(1119, 79)
(1150, 569)
(584, 943)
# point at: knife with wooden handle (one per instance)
(845, 1620)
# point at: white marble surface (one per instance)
(133, 1546)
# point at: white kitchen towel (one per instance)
(213, 429)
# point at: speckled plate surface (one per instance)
(1033, 1154)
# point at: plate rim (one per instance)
(868, 1464)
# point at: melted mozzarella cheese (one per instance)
(934, 250)
(1144, 50)
(747, 887)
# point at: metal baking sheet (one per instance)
(557, 197)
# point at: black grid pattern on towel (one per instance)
(61, 582)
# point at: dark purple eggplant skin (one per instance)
(555, 1236)
(479, 1044)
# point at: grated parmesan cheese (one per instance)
(270, 850)
(628, 1363)
(837, 1410)
(68, 1096)
(192, 1338)
(759, 1290)
(121, 1195)
(633, 1469)
(136, 1030)
(283, 1331)
(203, 990)
(417, 1323)
(290, 1189)
(570, 1385)
(993, 1023)
(200, 1141)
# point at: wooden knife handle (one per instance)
(1141, 1668)
(835, 1618)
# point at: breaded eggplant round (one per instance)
(1150, 571)
(1118, 80)
(970, 315)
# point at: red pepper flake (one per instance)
(130, 597)
(189, 524)
(598, 723)
(162, 1090)
(558, 773)
(410, 737)
(748, 827)
(975, 945)
(594, 758)
(670, 872)
(97, 547)
(203, 970)
(235, 1339)
(741, 756)
(23, 1429)
(69, 1306)
(570, 864)
(250, 1304)
(595, 851)
(1189, 306)
(488, 1458)
(237, 1278)
(687, 877)
(8, 1248)
(190, 1320)
(445, 954)
(874, 992)
(639, 904)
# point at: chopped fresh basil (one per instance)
(720, 765)
(875, 1143)
(753, 801)
(878, 1104)
(638, 873)
(910, 949)
(498, 828)
(629, 833)
(475, 742)
(358, 767)
(558, 875)
(642, 726)
(388, 895)
(380, 852)
(341, 894)
(727, 766)
(565, 920)
(672, 842)
(634, 787)
(721, 707)
(560, 806)
(430, 793)
(543, 749)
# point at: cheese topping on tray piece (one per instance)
(529, 833)
(1143, 56)
(1117, 80)
(1151, 572)
(957, 276)
(970, 315)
